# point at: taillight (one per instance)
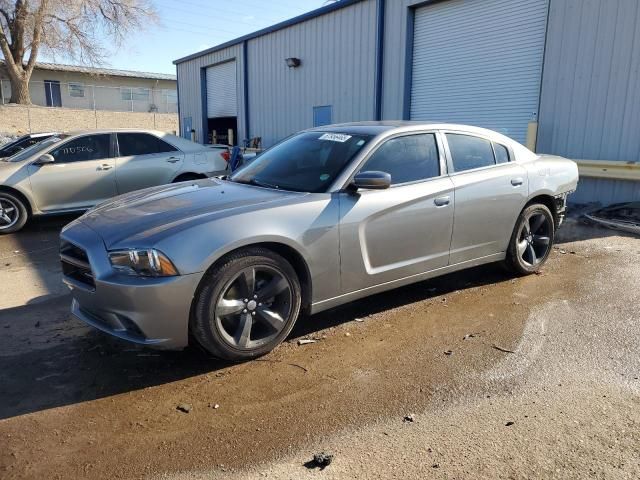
(226, 156)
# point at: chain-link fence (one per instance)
(97, 97)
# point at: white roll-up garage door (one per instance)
(479, 62)
(222, 91)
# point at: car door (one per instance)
(405, 230)
(81, 176)
(490, 191)
(145, 160)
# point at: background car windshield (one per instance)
(33, 149)
(307, 162)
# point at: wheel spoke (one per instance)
(522, 247)
(538, 221)
(5, 219)
(9, 210)
(248, 281)
(527, 227)
(277, 285)
(243, 332)
(228, 307)
(541, 240)
(532, 254)
(270, 317)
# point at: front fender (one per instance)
(310, 228)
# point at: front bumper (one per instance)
(146, 311)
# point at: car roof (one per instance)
(390, 127)
(116, 130)
(378, 127)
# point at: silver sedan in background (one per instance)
(73, 172)
(325, 217)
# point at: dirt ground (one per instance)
(504, 377)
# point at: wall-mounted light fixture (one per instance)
(293, 62)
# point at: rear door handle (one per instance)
(173, 160)
(442, 201)
(516, 182)
(105, 167)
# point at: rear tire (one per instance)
(13, 213)
(246, 305)
(532, 240)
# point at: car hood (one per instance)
(142, 218)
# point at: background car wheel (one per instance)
(247, 305)
(532, 240)
(13, 213)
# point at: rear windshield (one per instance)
(306, 162)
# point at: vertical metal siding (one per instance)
(479, 63)
(605, 191)
(590, 104)
(337, 51)
(395, 63)
(191, 86)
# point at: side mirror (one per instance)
(372, 180)
(44, 160)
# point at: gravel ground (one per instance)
(503, 377)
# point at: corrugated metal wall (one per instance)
(337, 51)
(590, 105)
(190, 87)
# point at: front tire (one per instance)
(13, 213)
(247, 305)
(532, 240)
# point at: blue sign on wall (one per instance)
(322, 115)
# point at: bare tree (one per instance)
(73, 29)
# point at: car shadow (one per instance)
(48, 359)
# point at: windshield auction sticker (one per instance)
(335, 137)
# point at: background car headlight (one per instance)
(145, 263)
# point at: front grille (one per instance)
(75, 264)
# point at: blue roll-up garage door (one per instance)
(479, 62)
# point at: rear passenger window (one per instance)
(406, 159)
(142, 144)
(502, 153)
(469, 152)
(90, 147)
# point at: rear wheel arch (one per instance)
(546, 200)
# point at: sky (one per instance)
(188, 26)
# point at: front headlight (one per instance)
(145, 263)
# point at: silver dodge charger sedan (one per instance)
(75, 171)
(327, 216)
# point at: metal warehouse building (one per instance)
(562, 76)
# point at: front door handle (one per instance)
(516, 182)
(442, 201)
(105, 167)
(173, 160)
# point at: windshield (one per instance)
(33, 149)
(306, 162)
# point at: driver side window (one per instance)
(407, 159)
(91, 147)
